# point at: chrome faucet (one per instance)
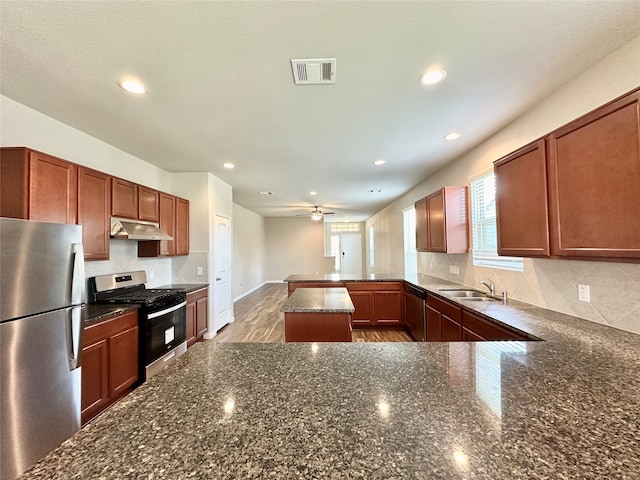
(491, 286)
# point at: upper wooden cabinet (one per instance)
(521, 202)
(168, 223)
(37, 186)
(445, 214)
(594, 183)
(422, 244)
(148, 204)
(124, 198)
(182, 226)
(576, 192)
(94, 206)
(174, 221)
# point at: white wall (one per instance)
(295, 245)
(615, 287)
(249, 251)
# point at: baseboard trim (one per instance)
(248, 292)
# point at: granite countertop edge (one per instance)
(95, 313)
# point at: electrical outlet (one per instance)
(242, 284)
(152, 274)
(584, 294)
(454, 269)
(199, 271)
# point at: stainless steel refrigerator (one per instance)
(41, 295)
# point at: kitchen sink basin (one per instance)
(464, 294)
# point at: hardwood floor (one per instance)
(258, 319)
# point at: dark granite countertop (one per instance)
(318, 300)
(487, 410)
(93, 313)
(345, 277)
(187, 287)
(564, 408)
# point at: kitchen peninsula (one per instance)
(566, 407)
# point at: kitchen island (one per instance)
(318, 315)
(564, 408)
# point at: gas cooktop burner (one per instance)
(143, 296)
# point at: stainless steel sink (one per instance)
(463, 293)
(466, 294)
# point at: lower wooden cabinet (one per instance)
(443, 321)
(376, 303)
(109, 363)
(447, 322)
(476, 328)
(197, 315)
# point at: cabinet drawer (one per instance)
(197, 295)
(487, 329)
(110, 327)
(444, 307)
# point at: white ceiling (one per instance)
(221, 87)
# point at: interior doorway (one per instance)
(222, 271)
(347, 249)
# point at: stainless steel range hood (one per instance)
(127, 229)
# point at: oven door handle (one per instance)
(168, 310)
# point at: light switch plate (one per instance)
(584, 294)
(454, 269)
(199, 271)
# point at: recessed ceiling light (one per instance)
(132, 86)
(313, 193)
(380, 161)
(228, 165)
(452, 136)
(432, 76)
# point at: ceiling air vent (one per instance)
(314, 71)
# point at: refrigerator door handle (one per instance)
(74, 337)
(77, 276)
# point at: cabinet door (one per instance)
(124, 198)
(202, 313)
(94, 201)
(191, 323)
(53, 189)
(422, 242)
(486, 329)
(521, 202)
(387, 308)
(123, 360)
(148, 201)
(434, 325)
(14, 182)
(363, 303)
(95, 379)
(594, 183)
(451, 330)
(182, 226)
(168, 223)
(436, 225)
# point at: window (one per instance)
(372, 262)
(484, 228)
(410, 253)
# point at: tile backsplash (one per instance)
(185, 269)
(553, 284)
(124, 258)
(164, 270)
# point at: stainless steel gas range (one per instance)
(161, 316)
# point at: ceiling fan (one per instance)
(316, 214)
